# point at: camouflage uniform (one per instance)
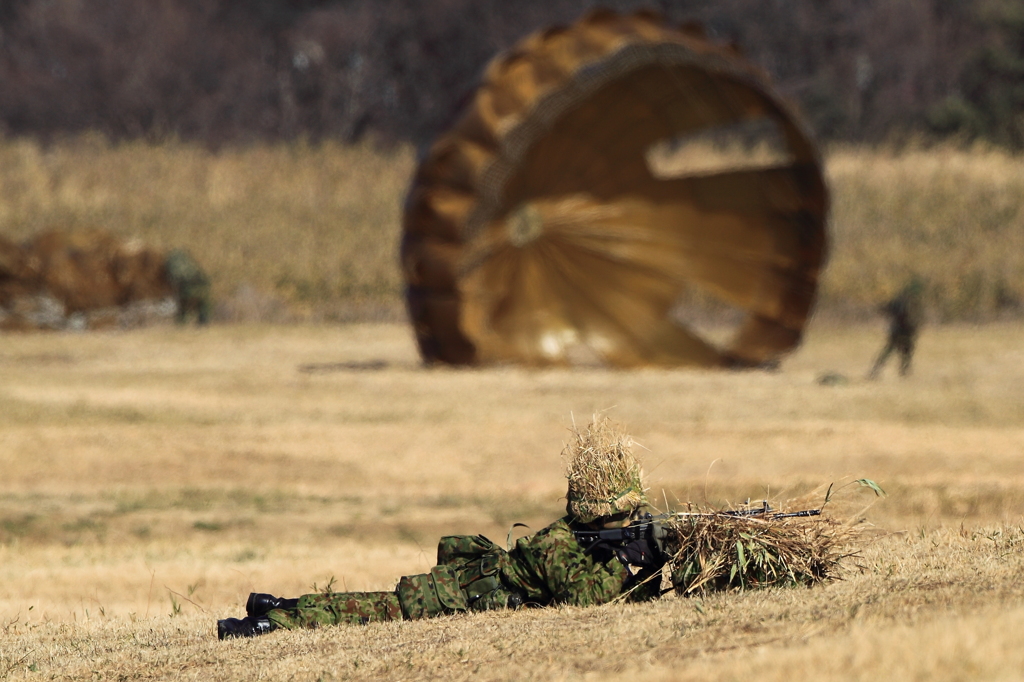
(906, 314)
(474, 574)
(190, 285)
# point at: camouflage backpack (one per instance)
(183, 270)
(468, 576)
(479, 563)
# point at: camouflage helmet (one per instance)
(605, 478)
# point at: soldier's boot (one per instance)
(259, 604)
(243, 627)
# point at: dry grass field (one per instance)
(287, 232)
(953, 216)
(308, 232)
(151, 479)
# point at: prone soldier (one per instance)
(474, 574)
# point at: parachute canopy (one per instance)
(552, 217)
(77, 279)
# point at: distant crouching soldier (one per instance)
(190, 284)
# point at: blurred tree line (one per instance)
(225, 71)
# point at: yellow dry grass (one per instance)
(311, 232)
(287, 231)
(151, 479)
(953, 216)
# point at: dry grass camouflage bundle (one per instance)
(604, 476)
(717, 552)
(712, 550)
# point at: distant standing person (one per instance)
(906, 314)
(190, 284)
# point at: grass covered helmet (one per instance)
(605, 478)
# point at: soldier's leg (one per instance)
(906, 348)
(882, 357)
(417, 596)
(182, 313)
(203, 310)
(339, 608)
(198, 295)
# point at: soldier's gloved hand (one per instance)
(640, 553)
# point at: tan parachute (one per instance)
(550, 217)
(79, 279)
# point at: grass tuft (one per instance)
(713, 551)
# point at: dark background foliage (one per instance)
(228, 71)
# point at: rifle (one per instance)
(652, 529)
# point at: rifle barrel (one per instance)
(756, 513)
(640, 528)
